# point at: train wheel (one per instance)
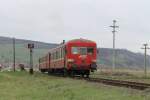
(87, 73)
(42, 70)
(72, 73)
(82, 75)
(49, 71)
(65, 72)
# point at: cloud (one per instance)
(55, 20)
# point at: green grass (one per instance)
(22, 86)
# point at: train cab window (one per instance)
(74, 50)
(90, 50)
(83, 50)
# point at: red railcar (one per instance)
(76, 56)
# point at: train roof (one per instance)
(81, 40)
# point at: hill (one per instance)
(38, 45)
(124, 58)
(22, 52)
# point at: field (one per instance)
(22, 86)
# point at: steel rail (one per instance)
(114, 82)
(120, 83)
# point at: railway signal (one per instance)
(30, 47)
(145, 59)
(114, 53)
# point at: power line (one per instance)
(145, 59)
(114, 53)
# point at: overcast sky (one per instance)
(54, 20)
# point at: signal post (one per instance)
(30, 47)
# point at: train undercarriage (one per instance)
(65, 72)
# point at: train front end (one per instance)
(81, 56)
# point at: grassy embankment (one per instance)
(22, 86)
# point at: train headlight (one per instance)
(94, 61)
(70, 60)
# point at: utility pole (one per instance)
(30, 47)
(14, 55)
(145, 59)
(114, 53)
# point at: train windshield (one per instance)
(90, 50)
(75, 50)
(83, 50)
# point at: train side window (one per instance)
(61, 52)
(90, 50)
(54, 55)
(74, 50)
(51, 55)
(57, 54)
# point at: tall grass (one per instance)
(22, 86)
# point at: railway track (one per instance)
(114, 82)
(120, 83)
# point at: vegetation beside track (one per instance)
(123, 74)
(22, 86)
